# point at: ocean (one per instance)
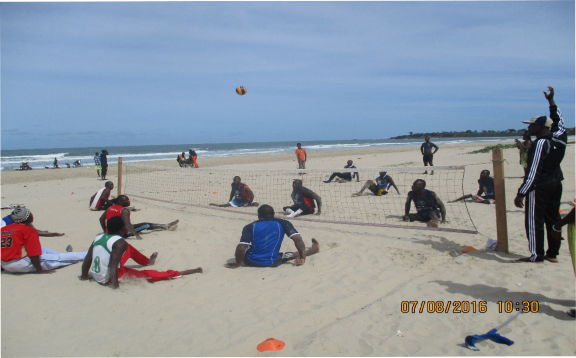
(41, 158)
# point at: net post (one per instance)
(119, 176)
(500, 194)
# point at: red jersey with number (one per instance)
(113, 211)
(19, 237)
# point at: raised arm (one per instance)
(118, 250)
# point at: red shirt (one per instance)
(301, 153)
(113, 211)
(15, 238)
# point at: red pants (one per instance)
(194, 161)
(151, 275)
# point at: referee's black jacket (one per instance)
(545, 155)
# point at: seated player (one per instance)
(17, 213)
(427, 204)
(486, 186)
(101, 200)
(240, 195)
(348, 176)
(21, 235)
(261, 240)
(303, 201)
(121, 209)
(109, 252)
(379, 186)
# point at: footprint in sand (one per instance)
(332, 245)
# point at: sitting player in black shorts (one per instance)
(261, 240)
(303, 201)
(379, 186)
(427, 204)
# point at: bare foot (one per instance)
(173, 225)
(189, 272)
(356, 194)
(433, 223)
(405, 218)
(315, 246)
(152, 259)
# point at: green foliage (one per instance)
(490, 147)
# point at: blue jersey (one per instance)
(383, 182)
(298, 196)
(425, 204)
(265, 238)
(487, 187)
(239, 192)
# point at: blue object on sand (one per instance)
(472, 340)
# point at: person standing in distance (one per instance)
(301, 156)
(104, 163)
(427, 153)
(542, 185)
(97, 163)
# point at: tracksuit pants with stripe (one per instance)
(542, 208)
(150, 275)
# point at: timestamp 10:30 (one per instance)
(466, 306)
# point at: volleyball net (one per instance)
(200, 187)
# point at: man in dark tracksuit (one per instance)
(542, 186)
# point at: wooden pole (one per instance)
(119, 176)
(500, 193)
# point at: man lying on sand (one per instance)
(109, 252)
(379, 186)
(21, 235)
(101, 200)
(240, 195)
(121, 209)
(427, 204)
(16, 213)
(261, 240)
(303, 201)
(486, 186)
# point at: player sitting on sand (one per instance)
(303, 201)
(427, 204)
(109, 252)
(7, 220)
(379, 186)
(348, 176)
(21, 235)
(486, 186)
(240, 195)
(261, 240)
(101, 200)
(121, 209)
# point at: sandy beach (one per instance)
(345, 301)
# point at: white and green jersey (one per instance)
(101, 256)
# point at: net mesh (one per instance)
(200, 187)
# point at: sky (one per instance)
(146, 73)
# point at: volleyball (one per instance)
(241, 90)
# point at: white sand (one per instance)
(345, 301)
